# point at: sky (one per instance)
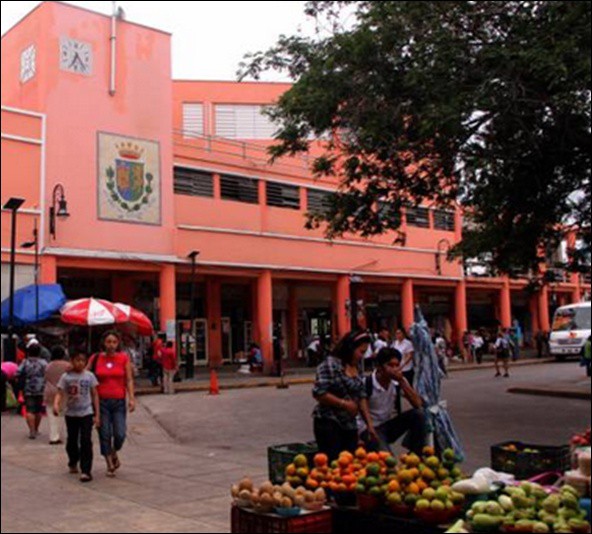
(209, 38)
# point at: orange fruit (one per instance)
(312, 484)
(291, 470)
(361, 454)
(350, 480)
(429, 451)
(321, 460)
(413, 488)
(373, 458)
(394, 486)
(384, 455)
(423, 485)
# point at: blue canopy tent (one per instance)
(429, 386)
(51, 298)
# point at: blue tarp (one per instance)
(429, 386)
(51, 300)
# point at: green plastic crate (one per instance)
(281, 456)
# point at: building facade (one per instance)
(154, 169)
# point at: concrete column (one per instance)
(48, 270)
(408, 304)
(544, 318)
(341, 296)
(168, 296)
(265, 318)
(506, 304)
(293, 314)
(461, 312)
(254, 312)
(214, 314)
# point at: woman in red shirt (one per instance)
(114, 372)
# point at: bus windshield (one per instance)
(572, 319)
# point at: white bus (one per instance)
(571, 330)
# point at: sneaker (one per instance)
(85, 479)
(32, 436)
(507, 375)
(55, 443)
(498, 375)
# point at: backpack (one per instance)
(369, 383)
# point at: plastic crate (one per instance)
(525, 465)
(352, 521)
(247, 522)
(281, 456)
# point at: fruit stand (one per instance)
(419, 494)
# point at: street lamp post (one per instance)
(190, 369)
(58, 208)
(13, 205)
(35, 244)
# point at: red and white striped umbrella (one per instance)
(92, 312)
(136, 319)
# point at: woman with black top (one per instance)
(340, 392)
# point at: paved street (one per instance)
(178, 480)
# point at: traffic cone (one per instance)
(214, 384)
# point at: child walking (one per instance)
(79, 388)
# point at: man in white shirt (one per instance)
(313, 352)
(383, 341)
(406, 348)
(384, 389)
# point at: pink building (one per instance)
(153, 169)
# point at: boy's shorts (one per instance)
(34, 405)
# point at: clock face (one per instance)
(75, 56)
(28, 63)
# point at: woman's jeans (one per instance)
(113, 426)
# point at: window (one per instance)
(283, 196)
(445, 220)
(385, 211)
(243, 122)
(194, 183)
(319, 201)
(240, 189)
(193, 119)
(419, 217)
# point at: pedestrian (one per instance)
(31, 376)
(56, 368)
(384, 391)
(78, 388)
(313, 352)
(441, 352)
(405, 347)
(170, 367)
(478, 347)
(114, 373)
(383, 341)
(278, 355)
(540, 343)
(3, 391)
(155, 364)
(31, 339)
(515, 343)
(503, 354)
(339, 390)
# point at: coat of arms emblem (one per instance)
(128, 182)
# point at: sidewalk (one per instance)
(580, 389)
(229, 379)
(162, 487)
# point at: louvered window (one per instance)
(319, 201)
(419, 217)
(240, 189)
(445, 220)
(243, 122)
(193, 120)
(384, 210)
(193, 183)
(283, 196)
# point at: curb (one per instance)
(553, 393)
(275, 382)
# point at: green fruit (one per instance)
(541, 528)
(429, 494)
(438, 506)
(391, 462)
(506, 503)
(360, 488)
(570, 501)
(495, 509)
(570, 489)
(423, 504)
(411, 500)
(371, 482)
(442, 494)
(375, 492)
(436, 484)
(395, 499)
(449, 455)
(552, 504)
(484, 522)
(373, 470)
(457, 498)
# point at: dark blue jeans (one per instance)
(113, 426)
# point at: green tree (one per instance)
(486, 104)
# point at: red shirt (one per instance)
(111, 372)
(169, 359)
